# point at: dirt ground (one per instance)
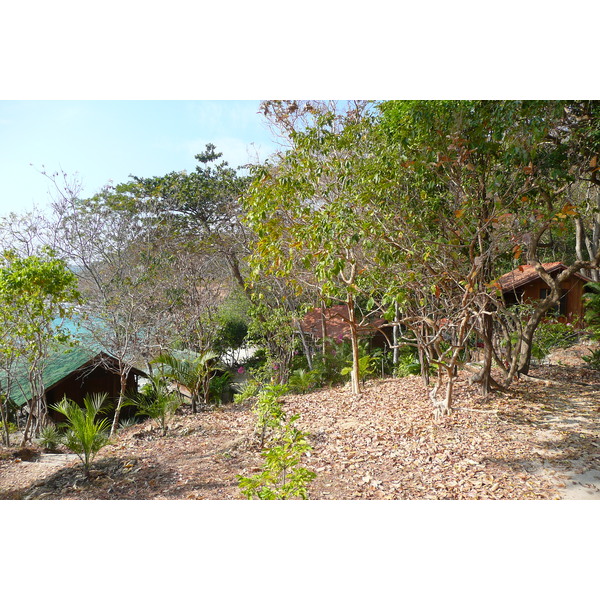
(540, 441)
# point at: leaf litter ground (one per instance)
(540, 441)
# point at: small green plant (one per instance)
(219, 384)
(86, 435)
(367, 366)
(281, 477)
(157, 403)
(12, 428)
(593, 360)
(302, 381)
(269, 409)
(246, 390)
(407, 365)
(126, 423)
(550, 335)
(50, 437)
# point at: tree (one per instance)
(474, 187)
(122, 273)
(203, 204)
(193, 371)
(302, 208)
(37, 293)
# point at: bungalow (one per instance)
(334, 322)
(75, 372)
(525, 284)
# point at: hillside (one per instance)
(539, 442)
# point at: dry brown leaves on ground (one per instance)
(380, 445)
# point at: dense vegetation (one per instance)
(402, 209)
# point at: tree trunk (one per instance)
(483, 378)
(5, 424)
(123, 373)
(527, 340)
(395, 336)
(305, 345)
(355, 375)
(324, 332)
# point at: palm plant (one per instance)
(156, 402)
(85, 435)
(193, 371)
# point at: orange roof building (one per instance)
(525, 284)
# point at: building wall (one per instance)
(78, 385)
(572, 287)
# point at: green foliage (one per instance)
(219, 384)
(407, 365)
(36, 293)
(246, 390)
(368, 363)
(12, 428)
(269, 409)
(271, 328)
(50, 437)
(85, 435)
(281, 477)
(593, 360)
(367, 366)
(192, 370)
(156, 402)
(233, 321)
(302, 381)
(592, 319)
(592, 307)
(128, 422)
(550, 335)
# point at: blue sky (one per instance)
(107, 140)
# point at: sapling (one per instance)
(85, 435)
(281, 477)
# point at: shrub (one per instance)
(85, 435)
(281, 477)
(302, 381)
(50, 437)
(157, 403)
(407, 365)
(593, 360)
(245, 390)
(269, 409)
(550, 335)
(219, 384)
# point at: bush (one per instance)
(12, 428)
(157, 403)
(245, 390)
(550, 335)
(219, 384)
(50, 437)
(407, 365)
(302, 381)
(593, 360)
(281, 477)
(85, 435)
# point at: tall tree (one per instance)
(302, 207)
(37, 293)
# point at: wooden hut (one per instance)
(75, 373)
(334, 322)
(524, 284)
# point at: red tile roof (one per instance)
(337, 325)
(526, 274)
